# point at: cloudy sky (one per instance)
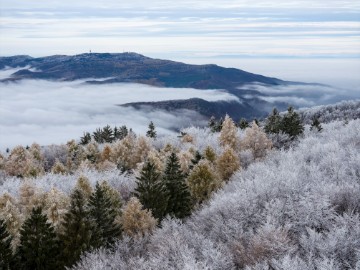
(233, 33)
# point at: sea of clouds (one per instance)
(54, 112)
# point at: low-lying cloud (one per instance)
(53, 112)
(302, 95)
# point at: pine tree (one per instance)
(151, 133)
(39, 247)
(316, 124)
(6, 257)
(212, 123)
(84, 140)
(103, 213)
(179, 204)
(273, 122)
(291, 124)
(243, 124)
(152, 192)
(97, 135)
(107, 134)
(79, 234)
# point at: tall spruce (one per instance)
(151, 133)
(39, 247)
(79, 234)
(6, 256)
(107, 134)
(179, 204)
(273, 122)
(151, 191)
(291, 124)
(103, 213)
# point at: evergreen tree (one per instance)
(179, 204)
(243, 124)
(152, 192)
(120, 133)
(39, 247)
(107, 134)
(291, 123)
(97, 135)
(212, 123)
(6, 256)
(151, 133)
(79, 234)
(273, 122)
(195, 160)
(316, 124)
(103, 213)
(84, 140)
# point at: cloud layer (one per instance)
(54, 112)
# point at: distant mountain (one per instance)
(131, 67)
(206, 108)
(136, 68)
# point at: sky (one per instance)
(234, 33)
(303, 40)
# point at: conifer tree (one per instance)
(179, 204)
(227, 163)
(107, 134)
(243, 124)
(273, 122)
(79, 234)
(103, 214)
(195, 160)
(151, 191)
(315, 125)
(210, 154)
(97, 135)
(291, 123)
(212, 123)
(84, 140)
(39, 247)
(151, 133)
(6, 256)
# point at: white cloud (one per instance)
(54, 112)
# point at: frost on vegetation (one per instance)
(258, 204)
(295, 209)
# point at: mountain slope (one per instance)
(132, 67)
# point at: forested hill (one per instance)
(131, 67)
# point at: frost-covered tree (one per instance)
(58, 168)
(13, 219)
(75, 154)
(209, 154)
(6, 256)
(137, 221)
(56, 204)
(83, 185)
(180, 202)
(203, 181)
(18, 162)
(227, 163)
(103, 213)
(39, 247)
(92, 152)
(228, 134)
(255, 140)
(151, 191)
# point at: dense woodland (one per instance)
(282, 193)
